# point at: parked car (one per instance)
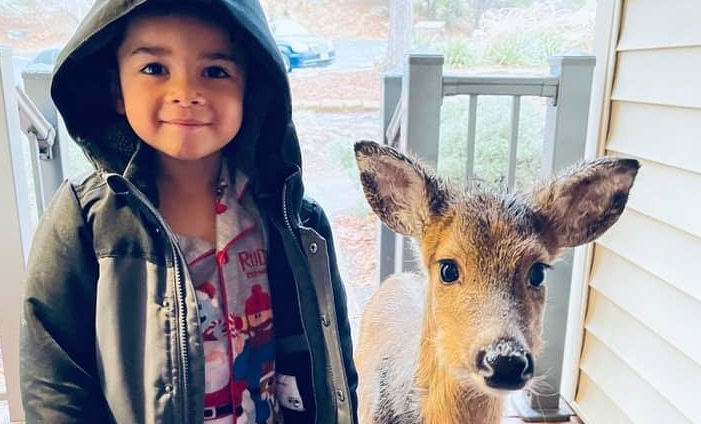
(299, 47)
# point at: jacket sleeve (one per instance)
(58, 374)
(324, 228)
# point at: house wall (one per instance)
(640, 357)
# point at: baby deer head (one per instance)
(486, 253)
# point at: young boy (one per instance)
(186, 279)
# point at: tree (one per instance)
(401, 14)
(430, 8)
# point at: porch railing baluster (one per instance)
(471, 137)
(513, 142)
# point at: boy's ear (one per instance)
(582, 204)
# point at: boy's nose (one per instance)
(184, 93)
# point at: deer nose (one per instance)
(505, 365)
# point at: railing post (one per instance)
(37, 85)
(422, 96)
(564, 144)
(391, 92)
(16, 230)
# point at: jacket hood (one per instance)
(266, 148)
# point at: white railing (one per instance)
(412, 100)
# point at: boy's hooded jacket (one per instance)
(110, 330)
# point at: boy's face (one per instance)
(181, 85)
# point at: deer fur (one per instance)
(446, 347)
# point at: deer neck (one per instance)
(443, 398)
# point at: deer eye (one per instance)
(449, 271)
(536, 275)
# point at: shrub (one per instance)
(459, 54)
(524, 49)
(529, 36)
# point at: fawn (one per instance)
(448, 346)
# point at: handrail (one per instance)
(482, 85)
(34, 123)
(500, 85)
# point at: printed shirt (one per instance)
(235, 311)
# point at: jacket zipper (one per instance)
(184, 366)
(184, 359)
(290, 229)
(285, 213)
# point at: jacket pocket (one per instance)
(294, 387)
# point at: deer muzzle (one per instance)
(505, 365)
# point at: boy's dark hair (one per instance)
(208, 11)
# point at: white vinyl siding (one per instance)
(641, 352)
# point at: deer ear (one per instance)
(403, 193)
(583, 203)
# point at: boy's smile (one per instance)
(181, 85)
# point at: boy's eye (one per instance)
(215, 72)
(154, 69)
